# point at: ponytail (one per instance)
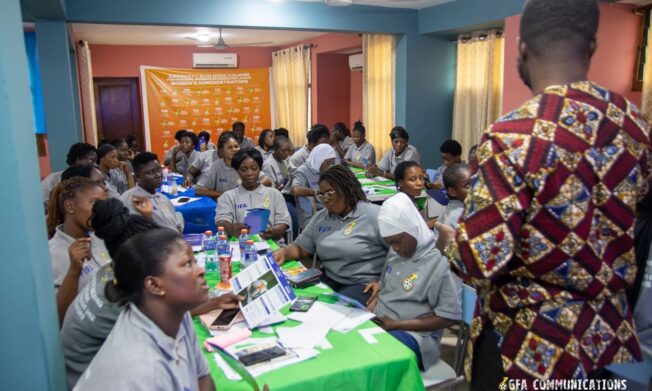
(66, 190)
(55, 213)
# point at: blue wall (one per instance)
(461, 14)
(29, 329)
(425, 85)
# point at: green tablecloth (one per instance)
(352, 363)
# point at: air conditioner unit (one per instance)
(356, 62)
(214, 60)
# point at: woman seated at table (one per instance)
(186, 149)
(91, 316)
(153, 344)
(250, 194)
(78, 154)
(361, 154)
(266, 143)
(401, 151)
(118, 177)
(276, 167)
(411, 180)
(341, 139)
(344, 235)
(305, 182)
(419, 297)
(75, 252)
(149, 178)
(206, 159)
(89, 171)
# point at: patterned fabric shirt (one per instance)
(547, 232)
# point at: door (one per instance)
(117, 108)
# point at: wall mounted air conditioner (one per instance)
(356, 62)
(214, 60)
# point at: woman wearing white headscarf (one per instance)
(418, 296)
(305, 183)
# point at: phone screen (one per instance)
(183, 199)
(226, 317)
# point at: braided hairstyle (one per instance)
(113, 223)
(452, 174)
(345, 183)
(137, 258)
(66, 190)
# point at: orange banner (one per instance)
(202, 99)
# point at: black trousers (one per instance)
(487, 367)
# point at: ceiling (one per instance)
(110, 34)
(416, 4)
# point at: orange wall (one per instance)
(356, 98)
(612, 65)
(334, 94)
(125, 60)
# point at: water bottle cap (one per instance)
(250, 241)
(220, 228)
(209, 232)
(243, 231)
(223, 237)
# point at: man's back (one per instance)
(549, 221)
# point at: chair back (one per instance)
(469, 297)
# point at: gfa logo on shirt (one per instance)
(324, 228)
(222, 180)
(241, 206)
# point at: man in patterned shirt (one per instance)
(547, 231)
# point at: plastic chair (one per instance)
(441, 374)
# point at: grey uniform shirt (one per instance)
(138, 355)
(60, 258)
(308, 178)
(233, 205)
(390, 160)
(346, 144)
(163, 212)
(219, 177)
(364, 154)
(451, 214)
(350, 247)
(247, 143)
(186, 161)
(266, 154)
(298, 159)
(412, 288)
(48, 184)
(88, 322)
(205, 160)
(118, 180)
(277, 171)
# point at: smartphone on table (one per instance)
(303, 303)
(226, 319)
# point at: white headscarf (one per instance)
(398, 214)
(320, 153)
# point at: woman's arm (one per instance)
(291, 252)
(192, 173)
(78, 251)
(430, 322)
(301, 191)
(204, 191)
(276, 232)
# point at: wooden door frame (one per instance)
(138, 123)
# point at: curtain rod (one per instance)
(478, 34)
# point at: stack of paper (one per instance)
(334, 316)
(305, 336)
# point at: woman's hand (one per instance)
(143, 205)
(79, 251)
(372, 171)
(124, 167)
(267, 234)
(431, 223)
(187, 180)
(373, 300)
(386, 323)
(279, 256)
(446, 234)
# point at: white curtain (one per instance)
(291, 73)
(86, 92)
(646, 96)
(378, 89)
(478, 86)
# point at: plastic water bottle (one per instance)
(250, 254)
(242, 240)
(223, 246)
(220, 231)
(165, 178)
(209, 245)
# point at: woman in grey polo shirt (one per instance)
(419, 296)
(250, 194)
(76, 253)
(401, 151)
(305, 182)
(153, 344)
(344, 235)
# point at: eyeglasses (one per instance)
(325, 196)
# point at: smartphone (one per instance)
(303, 303)
(226, 319)
(262, 355)
(183, 199)
(306, 277)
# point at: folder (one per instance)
(257, 220)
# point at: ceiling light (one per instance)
(338, 3)
(203, 37)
